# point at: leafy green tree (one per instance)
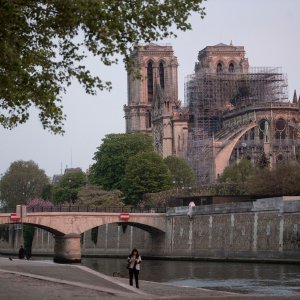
(47, 192)
(73, 180)
(44, 45)
(182, 174)
(145, 172)
(22, 181)
(283, 180)
(237, 173)
(68, 187)
(228, 188)
(112, 156)
(263, 161)
(63, 195)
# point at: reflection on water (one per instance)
(275, 279)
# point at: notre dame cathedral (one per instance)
(231, 110)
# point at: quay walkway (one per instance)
(27, 280)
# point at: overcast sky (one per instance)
(268, 29)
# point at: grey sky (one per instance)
(269, 30)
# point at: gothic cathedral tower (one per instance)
(153, 97)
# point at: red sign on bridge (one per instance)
(124, 216)
(14, 217)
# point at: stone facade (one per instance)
(153, 106)
(275, 132)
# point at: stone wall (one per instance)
(264, 229)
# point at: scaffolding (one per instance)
(210, 95)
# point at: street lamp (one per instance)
(21, 212)
(177, 183)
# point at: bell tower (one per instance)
(154, 95)
(158, 76)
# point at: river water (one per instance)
(248, 278)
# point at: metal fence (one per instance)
(72, 208)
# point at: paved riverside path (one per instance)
(27, 280)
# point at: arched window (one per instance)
(280, 129)
(150, 81)
(219, 68)
(263, 129)
(252, 134)
(161, 75)
(148, 119)
(231, 68)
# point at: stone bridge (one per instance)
(67, 227)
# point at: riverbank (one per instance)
(21, 279)
(208, 259)
(174, 258)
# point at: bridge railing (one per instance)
(79, 208)
(7, 210)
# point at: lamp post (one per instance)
(175, 182)
(21, 213)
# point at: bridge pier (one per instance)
(67, 248)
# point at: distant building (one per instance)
(231, 111)
(72, 170)
(57, 178)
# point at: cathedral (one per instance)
(231, 111)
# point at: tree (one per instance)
(237, 173)
(94, 195)
(68, 187)
(112, 156)
(47, 192)
(23, 180)
(282, 180)
(182, 174)
(38, 204)
(44, 45)
(145, 172)
(233, 179)
(263, 161)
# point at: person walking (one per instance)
(22, 252)
(134, 263)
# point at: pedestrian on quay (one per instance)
(22, 252)
(134, 262)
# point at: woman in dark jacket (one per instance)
(134, 263)
(22, 252)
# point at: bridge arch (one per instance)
(145, 227)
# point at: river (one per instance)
(248, 278)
